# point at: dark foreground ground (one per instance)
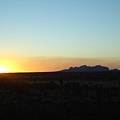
(60, 96)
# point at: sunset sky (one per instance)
(50, 35)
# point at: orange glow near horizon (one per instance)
(51, 64)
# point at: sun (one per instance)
(4, 69)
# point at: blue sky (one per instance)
(60, 28)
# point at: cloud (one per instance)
(58, 63)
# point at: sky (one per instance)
(50, 35)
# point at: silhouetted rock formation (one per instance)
(114, 70)
(86, 68)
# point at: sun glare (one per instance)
(4, 69)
